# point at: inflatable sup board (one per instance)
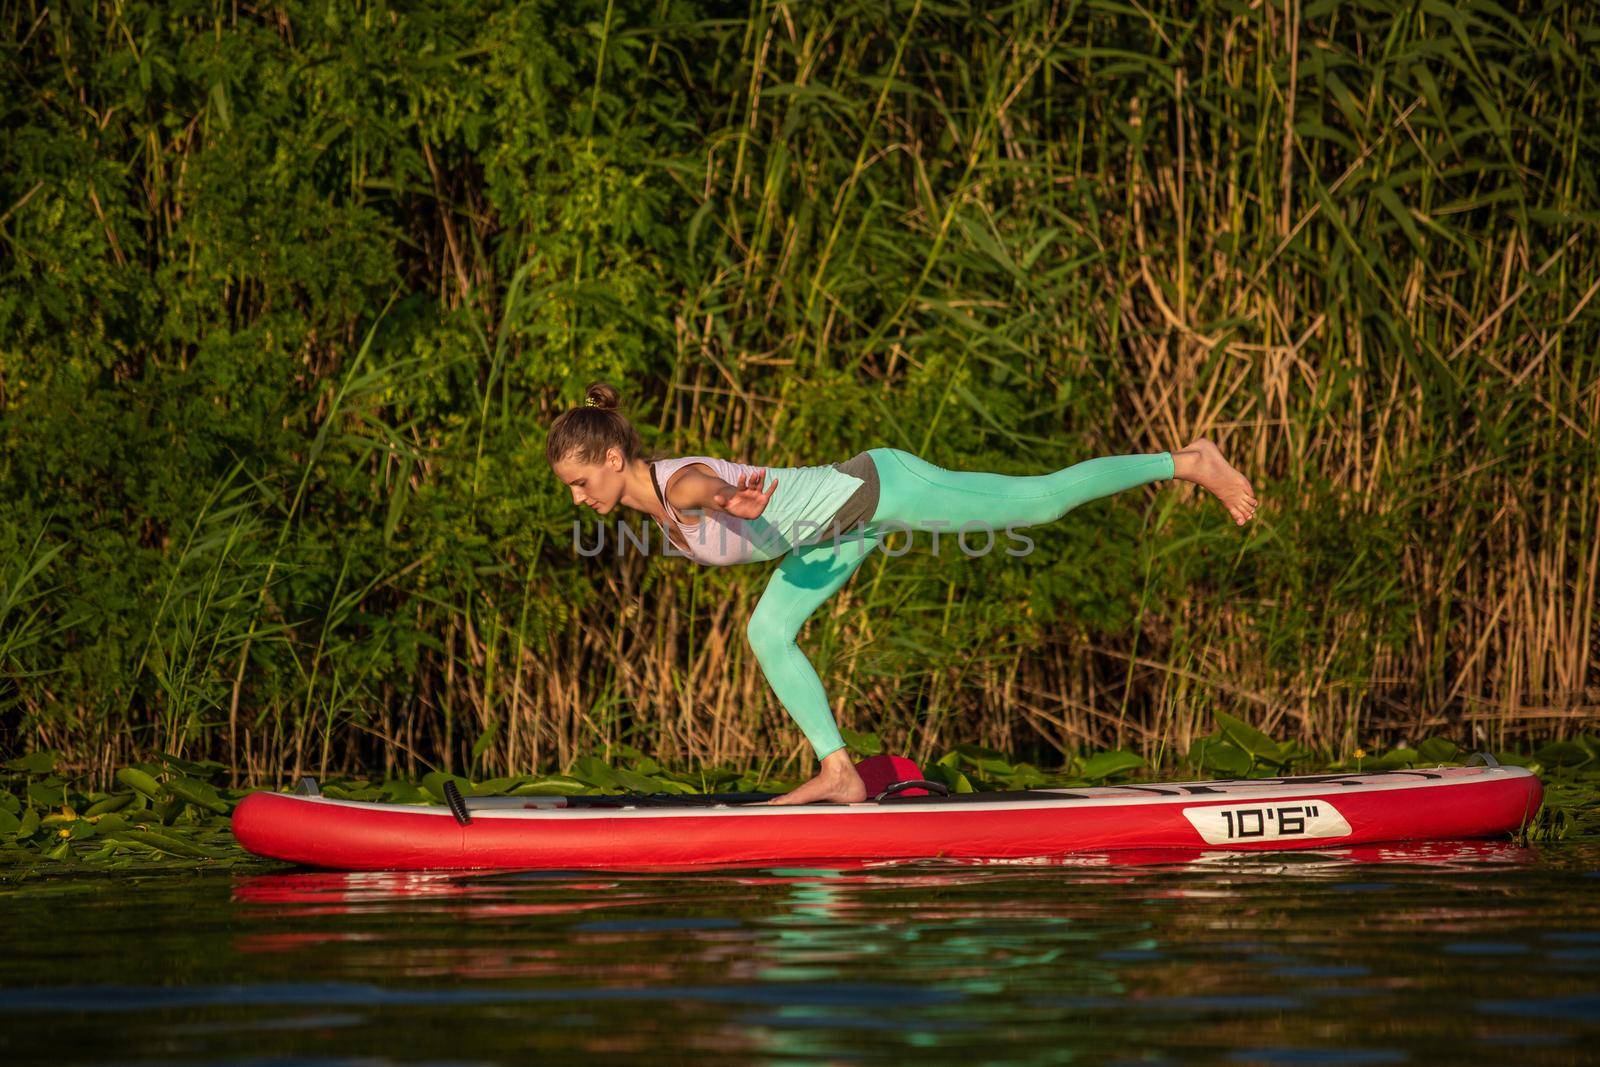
(908, 819)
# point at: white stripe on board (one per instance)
(1254, 791)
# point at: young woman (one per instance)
(823, 521)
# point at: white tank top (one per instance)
(799, 513)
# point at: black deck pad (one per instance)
(667, 800)
(1004, 796)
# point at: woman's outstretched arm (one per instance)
(696, 489)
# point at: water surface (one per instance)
(1445, 953)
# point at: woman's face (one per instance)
(595, 485)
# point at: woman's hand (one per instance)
(745, 498)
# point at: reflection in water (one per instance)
(1445, 952)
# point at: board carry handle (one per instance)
(307, 787)
(457, 802)
(915, 783)
(1485, 758)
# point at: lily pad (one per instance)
(41, 762)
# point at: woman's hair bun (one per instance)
(602, 396)
(593, 428)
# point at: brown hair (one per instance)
(588, 431)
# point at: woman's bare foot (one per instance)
(837, 781)
(1201, 462)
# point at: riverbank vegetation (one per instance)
(289, 292)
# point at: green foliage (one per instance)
(287, 296)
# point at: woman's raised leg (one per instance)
(913, 492)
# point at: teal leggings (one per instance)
(913, 494)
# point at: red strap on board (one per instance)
(880, 772)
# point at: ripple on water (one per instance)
(1472, 953)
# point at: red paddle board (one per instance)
(1317, 811)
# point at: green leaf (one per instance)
(593, 772)
(45, 795)
(987, 760)
(947, 774)
(169, 809)
(637, 783)
(163, 842)
(485, 739)
(553, 785)
(862, 744)
(1103, 765)
(1392, 204)
(1219, 756)
(41, 762)
(343, 791)
(199, 794)
(140, 782)
(1563, 754)
(1394, 760)
(109, 822)
(205, 770)
(1438, 750)
(1027, 776)
(115, 802)
(396, 791)
(1249, 739)
(433, 783)
(219, 105)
